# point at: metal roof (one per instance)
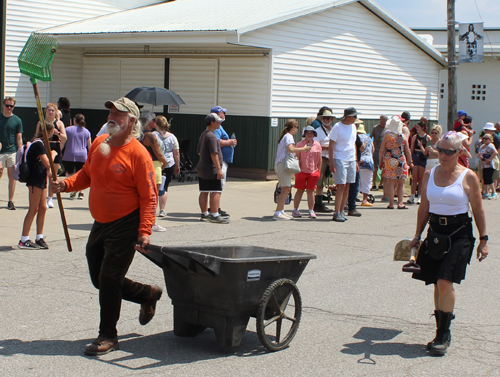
(231, 16)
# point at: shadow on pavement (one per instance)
(139, 352)
(259, 219)
(80, 226)
(370, 335)
(181, 217)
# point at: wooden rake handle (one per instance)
(51, 161)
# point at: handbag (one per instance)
(291, 165)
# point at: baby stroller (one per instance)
(332, 190)
(186, 165)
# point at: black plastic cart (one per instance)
(223, 286)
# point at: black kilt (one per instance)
(453, 266)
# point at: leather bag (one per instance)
(438, 245)
(291, 165)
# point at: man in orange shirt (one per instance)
(122, 202)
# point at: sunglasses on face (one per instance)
(9, 106)
(448, 152)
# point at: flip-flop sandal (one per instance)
(403, 207)
(390, 207)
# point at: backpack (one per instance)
(21, 171)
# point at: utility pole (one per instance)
(452, 66)
(3, 31)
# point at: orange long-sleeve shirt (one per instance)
(120, 183)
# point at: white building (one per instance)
(478, 84)
(21, 17)
(264, 61)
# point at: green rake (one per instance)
(34, 61)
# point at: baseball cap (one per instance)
(406, 115)
(218, 109)
(212, 117)
(124, 104)
(462, 113)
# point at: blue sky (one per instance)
(432, 13)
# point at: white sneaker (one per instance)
(158, 228)
(162, 213)
(281, 216)
(50, 202)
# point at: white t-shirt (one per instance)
(103, 130)
(487, 151)
(323, 139)
(345, 137)
(169, 144)
(282, 148)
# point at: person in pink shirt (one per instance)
(310, 167)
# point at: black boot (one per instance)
(319, 206)
(443, 337)
(437, 315)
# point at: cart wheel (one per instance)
(278, 316)
(371, 199)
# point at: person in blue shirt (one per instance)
(227, 148)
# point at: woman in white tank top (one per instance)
(447, 191)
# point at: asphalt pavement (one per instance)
(362, 316)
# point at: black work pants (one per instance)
(110, 252)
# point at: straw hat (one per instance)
(395, 125)
(361, 129)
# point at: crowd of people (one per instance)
(70, 144)
(355, 159)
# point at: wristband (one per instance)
(484, 238)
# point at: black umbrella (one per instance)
(155, 96)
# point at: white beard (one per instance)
(113, 128)
(104, 148)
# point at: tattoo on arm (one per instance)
(153, 140)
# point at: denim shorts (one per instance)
(345, 172)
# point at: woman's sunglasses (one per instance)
(448, 152)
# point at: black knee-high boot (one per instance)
(437, 315)
(443, 338)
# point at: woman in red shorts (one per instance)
(310, 167)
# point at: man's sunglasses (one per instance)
(448, 152)
(9, 106)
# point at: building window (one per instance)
(475, 92)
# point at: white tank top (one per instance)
(450, 200)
